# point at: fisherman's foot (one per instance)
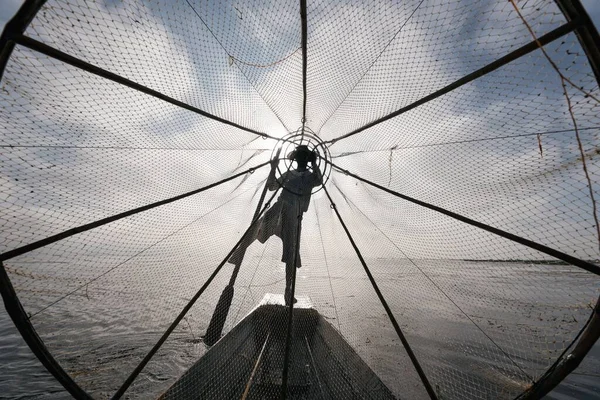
(235, 259)
(287, 301)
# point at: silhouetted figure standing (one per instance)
(284, 217)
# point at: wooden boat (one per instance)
(247, 363)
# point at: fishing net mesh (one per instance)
(516, 149)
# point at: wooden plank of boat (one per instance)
(247, 362)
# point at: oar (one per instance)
(217, 321)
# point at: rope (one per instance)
(564, 79)
(371, 66)
(583, 164)
(265, 65)
(552, 63)
(250, 284)
(395, 148)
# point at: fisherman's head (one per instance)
(302, 155)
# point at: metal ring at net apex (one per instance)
(295, 138)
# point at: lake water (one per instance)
(23, 377)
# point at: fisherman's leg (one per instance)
(238, 255)
(289, 278)
(264, 228)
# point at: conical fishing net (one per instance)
(450, 246)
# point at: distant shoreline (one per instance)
(492, 260)
(550, 262)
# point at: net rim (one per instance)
(587, 36)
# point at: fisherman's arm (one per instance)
(272, 183)
(317, 175)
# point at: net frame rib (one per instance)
(63, 147)
(52, 52)
(219, 315)
(92, 225)
(519, 367)
(19, 316)
(15, 27)
(33, 315)
(549, 37)
(289, 332)
(563, 81)
(586, 32)
(407, 348)
(127, 383)
(564, 365)
(594, 269)
(586, 337)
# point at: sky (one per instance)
(335, 106)
(9, 7)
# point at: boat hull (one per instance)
(247, 363)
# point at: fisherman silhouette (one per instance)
(284, 218)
